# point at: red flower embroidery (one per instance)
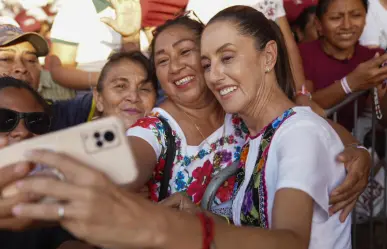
(236, 120)
(153, 189)
(225, 191)
(159, 170)
(146, 122)
(203, 176)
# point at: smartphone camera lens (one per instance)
(109, 136)
(97, 135)
(99, 144)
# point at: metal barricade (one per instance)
(373, 237)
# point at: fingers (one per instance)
(342, 204)
(346, 155)
(352, 179)
(12, 173)
(15, 224)
(6, 204)
(73, 170)
(108, 21)
(173, 201)
(378, 60)
(44, 211)
(44, 186)
(347, 210)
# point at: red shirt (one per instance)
(323, 70)
(156, 12)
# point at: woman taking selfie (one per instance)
(296, 184)
(23, 115)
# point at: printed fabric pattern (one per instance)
(254, 207)
(194, 166)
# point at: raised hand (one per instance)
(128, 17)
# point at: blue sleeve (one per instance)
(71, 112)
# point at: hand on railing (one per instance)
(368, 74)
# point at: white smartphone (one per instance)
(102, 144)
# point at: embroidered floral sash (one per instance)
(254, 207)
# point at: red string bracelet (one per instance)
(208, 230)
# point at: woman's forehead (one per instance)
(20, 100)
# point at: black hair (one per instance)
(251, 22)
(195, 26)
(134, 56)
(323, 5)
(10, 82)
(303, 19)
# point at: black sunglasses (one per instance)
(36, 122)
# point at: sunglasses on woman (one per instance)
(35, 122)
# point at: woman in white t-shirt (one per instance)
(207, 140)
(288, 172)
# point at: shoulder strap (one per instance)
(171, 151)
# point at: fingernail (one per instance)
(20, 168)
(17, 210)
(19, 184)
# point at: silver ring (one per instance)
(61, 212)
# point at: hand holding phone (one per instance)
(101, 144)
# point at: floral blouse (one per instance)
(194, 166)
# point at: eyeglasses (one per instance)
(35, 122)
(190, 14)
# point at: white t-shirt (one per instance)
(193, 166)
(78, 23)
(205, 10)
(375, 30)
(302, 156)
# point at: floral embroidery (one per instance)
(254, 207)
(193, 169)
(203, 176)
(225, 191)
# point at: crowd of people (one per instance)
(199, 86)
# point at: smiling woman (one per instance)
(126, 87)
(336, 64)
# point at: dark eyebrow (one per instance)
(219, 49)
(120, 79)
(174, 45)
